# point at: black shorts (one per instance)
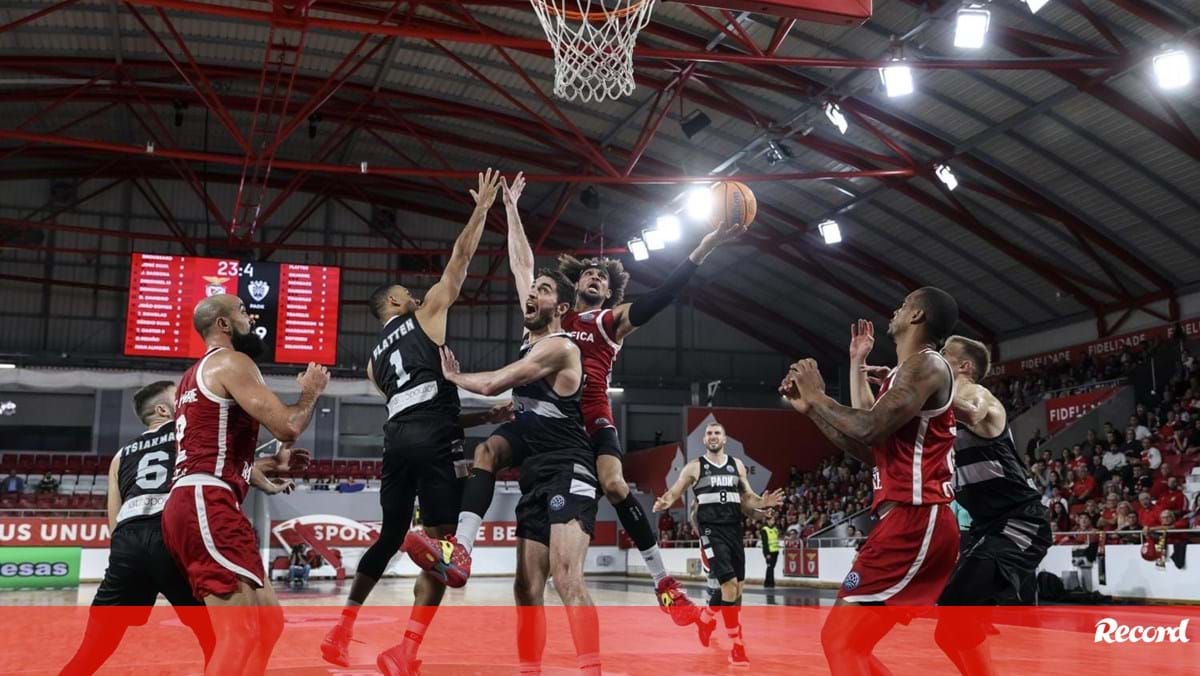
(556, 490)
(422, 458)
(605, 441)
(140, 568)
(722, 545)
(1000, 564)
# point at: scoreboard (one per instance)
(296, 306)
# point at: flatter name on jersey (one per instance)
(143, 444)
(402, 330)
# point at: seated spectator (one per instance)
(48, 484)
(12, 484)
(1089, 444)
(666, 522)
(1126, 517)
(1059, 516)
(1145, 509)
(1113, 459)
(1138, 423)
(1178, 443)
(1160, 482)
(1084, 487)
(1172, 498)
(1193, 443)
(298, 566)
(1151, 456)
(1108, 515)
(351, 485)
(1078, 458)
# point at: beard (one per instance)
(591, 298)
(248, 343)
(715, 447)
(539, 321)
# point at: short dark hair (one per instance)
(714, 424)
(618, 279)
(564, 288)
(378, 299)
(145, 399)
(977, 352)
(941, 312)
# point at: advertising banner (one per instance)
(88, 532)
(1062, 411)
(1102, 347)
(39, 567)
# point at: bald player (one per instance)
(221, 401)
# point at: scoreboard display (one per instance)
(296, 306)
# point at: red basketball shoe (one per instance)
(393, 662)
(445, 559)
(673, 601)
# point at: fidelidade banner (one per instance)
(39, 567)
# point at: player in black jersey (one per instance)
(722, 494)
(139, 565)
(559, 489)
(422, 453)
(1010, 525)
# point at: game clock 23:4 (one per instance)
(235, 268)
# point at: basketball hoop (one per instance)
(593, 45)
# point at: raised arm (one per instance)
(687, 478)
(862, 340)
(918, 380)
(114, 492)
(544, 359)
(237, 375)
(630, 316)
(752, 500)
(443, 294)
(520, 255)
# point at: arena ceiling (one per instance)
(1077, 175)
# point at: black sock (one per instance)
(633, 520)
(477, 493)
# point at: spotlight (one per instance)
(776, 153)
(616, 390)
(834, 113)
(590, 197)
(1173, 69)
(8, 366)
(638, 248)
(313, 120)
(970, 28)
(1035, 5)
(654, 240)
(694, 123)
(830, 231)
(699, 203)
(668, 227)
(149, 147)
(897, 79)
(946, 176)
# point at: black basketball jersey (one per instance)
(408, 370)
(989, 478)
(548, 422)
(718, 493)
(144, 475)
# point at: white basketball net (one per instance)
(593, 45)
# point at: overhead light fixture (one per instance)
(834, 113)
(1173, 69)
(946, 176)
(970, 28)
(8, 366)
(616, 390)
(830, 231)
(699, 203)
(149, 147)
(694, 123)
(654, 240)
(668, 226)
(776, 153)
(897, 79)
(1035, 5)
(638, 248)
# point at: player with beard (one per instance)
(423, 435)
(598, 322)
(139, 565)
(557, 511)
(723, 494)
(908, 434)
(222, 400)
(1010, 525)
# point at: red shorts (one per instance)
(906, 559)
(597, 416)
(209, 537)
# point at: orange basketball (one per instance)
(733, 202)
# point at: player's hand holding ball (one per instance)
(288, 459)
(314, 379)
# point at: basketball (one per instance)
(733, 202)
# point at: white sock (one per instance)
(468, 529)
(654, 562)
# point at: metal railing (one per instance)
(1122, 537)
(1086, 387)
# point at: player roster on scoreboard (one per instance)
(296, 306)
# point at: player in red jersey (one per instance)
(222, 400)
(599, 323)
(908, 434)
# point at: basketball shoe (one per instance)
(393, 662)
(336, 646)
(446, 560)
(673, 601)
(737, 656)
(706, 631)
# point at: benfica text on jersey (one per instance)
(915, 465)
(213, 434)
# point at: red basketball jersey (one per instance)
(915, 465)
(593, 331)
(213, 435)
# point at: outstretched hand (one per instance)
(513, 193)
(862, 340)
(450, 367)
(661, 504)
(772, 499)
(489, 185)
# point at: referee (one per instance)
(768, 536)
